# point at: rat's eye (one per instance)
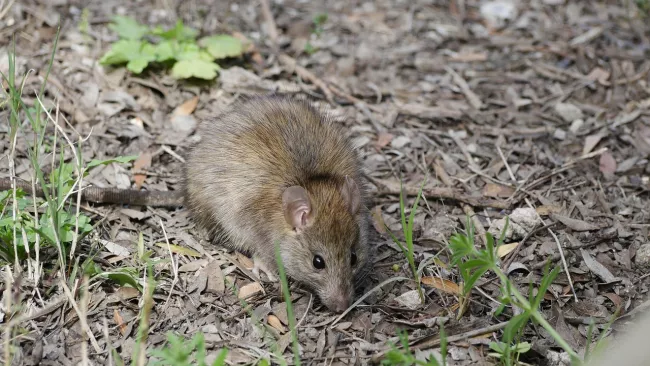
(319, 262)
(353, 258)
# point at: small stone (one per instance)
(498, 13)
(568, 111)
(559, 134)
(643, 255)
(576, 125)
(409, 299)
(400, 142)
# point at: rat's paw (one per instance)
(259, 264)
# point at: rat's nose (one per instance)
(341, 303)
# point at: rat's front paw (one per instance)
(259, 264)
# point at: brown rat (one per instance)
(274, 169)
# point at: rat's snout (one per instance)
(338, 302)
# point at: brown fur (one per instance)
(236, 174)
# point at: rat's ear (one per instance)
(351, 195)
(296, 207)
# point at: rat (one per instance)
(279, 170)
(270, 170)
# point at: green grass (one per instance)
(407, 246)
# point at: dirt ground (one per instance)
(545, 113)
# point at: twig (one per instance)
(441, 193)
(174, 266)
(435, 342)
(514, 253)
(560, 250)
(270, 22)
(82, 319)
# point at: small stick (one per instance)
(82, 319)
(110, 195)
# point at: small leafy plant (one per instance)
(181, 352)
(317, 29)
(473, 263)
(140, 46)
(404, 356)
(407, 246)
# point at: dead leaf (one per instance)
(119, 321)
(142, 163)
(497, 190)
(409, 299)
(276, 323)
(574, 224)
(607, 163)
(378, 220)
(215, 278)
(591, 141)
(383, 139)
(244, 260)
(546, 210)
(469, 57)
(505, 249)
(599, 74)
(180, 250)
(249, 290)
(187, 107)
(615, 299)
(597, 268)
(193, 266)
(441, 284)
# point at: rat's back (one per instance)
(246, 157)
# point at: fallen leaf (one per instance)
(187, 107)
(142, 163)
(545, 210)
(244, 260)
(607, 163)
(409, 299)
(383, 139)
(574, 224)
(216, 282)
(497, 190)
(469, 57)
(441, 284)
(599, 74)
(119, 321)
(378, 220)
(591, 141)
(615, 299)
(504, 249)
(276, 323)
(249, 290)
(180, 250)
(597, 268)
(193, 266)
(115, 248)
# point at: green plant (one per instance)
(317, 29)
(473, 263)
(181, 352)
(140, 46)
(407, 229)
(404, 357)
(287, 298)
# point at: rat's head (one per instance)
(326, 245)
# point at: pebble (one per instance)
(568, 111)
(643, 255)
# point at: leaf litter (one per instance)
(421, 83)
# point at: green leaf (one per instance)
(119, 159)
(128, 28)
(179, 32)
(202, 69)
(222, 46)
(121, 51)
(165, 51)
